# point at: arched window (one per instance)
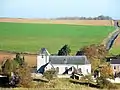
(66, 70)
(57, 69)
(87, 71)
(80, 70)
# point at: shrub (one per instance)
(103, 83)
(21, 72)
(64, 51)
(106, 71)
(49, 74)
(19, 59)
(87, 78)
(25, 78)
(9, 66)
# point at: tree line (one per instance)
(101, 17)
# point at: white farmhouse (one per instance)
(63, 64)
(115, 64)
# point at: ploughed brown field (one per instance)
(117, 42)
(76, 22)
(29, 59)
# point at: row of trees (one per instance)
(101, 17)
(91, 51)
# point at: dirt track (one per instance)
(75, 22)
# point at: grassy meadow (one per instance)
(115, 50)
(30, 37)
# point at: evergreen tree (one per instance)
(64, 51)
(19, 59)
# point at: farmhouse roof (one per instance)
(69, 60)
(115, 61)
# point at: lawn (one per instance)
(31, 37)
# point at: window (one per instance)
(118, 67)
(114, 67)
(66, 68)
(87, 71)
(52, 68)
(70, 69)
(79, 70)
(57, 69)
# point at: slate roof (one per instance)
(69, 60)
(115, 61)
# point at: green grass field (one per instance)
(31, 37)
(115, 50)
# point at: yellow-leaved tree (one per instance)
(106, 71)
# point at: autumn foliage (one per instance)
(106, 71)
(25, 76)
(95, 53)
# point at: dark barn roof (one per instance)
(115, 61)
(69, 60)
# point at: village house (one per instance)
(63, 64)
(115, 65)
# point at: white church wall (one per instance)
(41, 60)
(86, 69)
